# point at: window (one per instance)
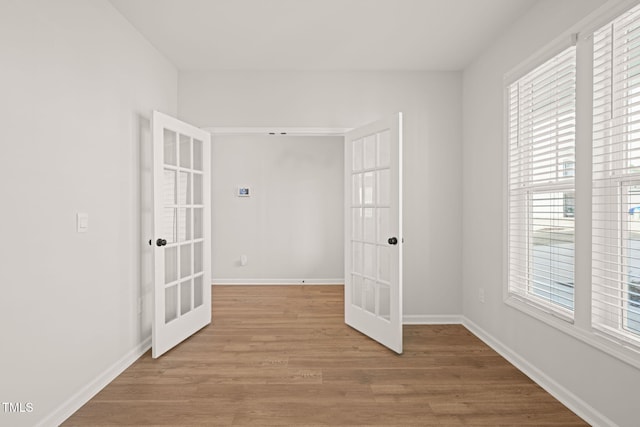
(541, 165)
(616, 179)
(541, 258)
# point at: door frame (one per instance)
(295, 131)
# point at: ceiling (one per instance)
(321, 34)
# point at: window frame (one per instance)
(563, 183)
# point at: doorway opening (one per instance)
(278, 207)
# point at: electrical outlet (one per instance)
(481, 295)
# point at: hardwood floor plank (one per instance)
(282, 355)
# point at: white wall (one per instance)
(291, 228)
(432, 105)
(589, 378)
(78, 84)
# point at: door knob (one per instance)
(161, 242)
(392, 241)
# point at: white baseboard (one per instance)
(567, 398)
(431, 319)
(339, 281)
(75, 402)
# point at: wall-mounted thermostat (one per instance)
(244, 192)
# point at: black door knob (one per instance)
(392, 241)
(161, 242)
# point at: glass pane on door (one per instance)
(370, 296)
(357, 155)
(171, 303)
(370, 151)
(357, 223)
(384, 149)
(356, 192)
(197, 155)
(183, 224)
(185, 260)
(197, 189)
(369, 260)
(198, 258)
(184, 188)
(185, 297)
(198, 223)
(356, 298)
(384, 309)
(370, 224)
(384, 264)
(198, 291)
(185, 151)
(170, 148)
(356, 264)
(170, 187)
(170, 225)
(170, 264)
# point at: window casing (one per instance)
(541, 185)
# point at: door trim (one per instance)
(278, 130)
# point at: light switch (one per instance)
(82, 222)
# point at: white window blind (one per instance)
(541, 165)
(616, 179)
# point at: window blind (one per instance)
(541, 166)
(616, 178)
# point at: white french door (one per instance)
(373, 231)
(182, 231)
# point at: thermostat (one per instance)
(244, 192)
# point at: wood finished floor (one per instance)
(282, 355)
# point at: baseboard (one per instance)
(75, 402)
(431, 319)
(339, 281)
(567, 398)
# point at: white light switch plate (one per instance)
(82, 222)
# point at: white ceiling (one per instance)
(321, 34)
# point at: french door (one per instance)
(373, 231)
(182, 231)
